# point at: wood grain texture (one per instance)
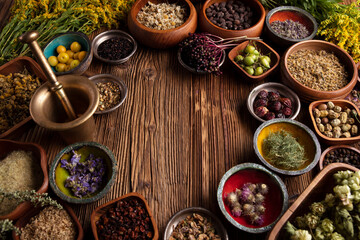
(174, 137)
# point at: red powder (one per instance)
(273, 199)
(291, 15)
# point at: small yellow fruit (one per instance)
(70, 53)
(63, 57)
(60, 67)
(67, 68)
(74, 64)
(52, 61)
(75, 47)
(82, 55)
(60, 49)
(69, 61)
(76, 56)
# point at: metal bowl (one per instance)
(301, 132)
(179, 216)
(193, 70)
(111, 78)
(102, 37)
(274, 87)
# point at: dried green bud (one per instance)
(300, 222)
(330, 200)
(317, 208)
(327, 225)
(311, 220)
(336, 236)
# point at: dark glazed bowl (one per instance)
(332, 148)
(102, 37)
(301, 132)
(8, 146)
(102, 209)
(276, 201)
(289, 13)
(58, 175)
(274, 87)
(66, 39)
(24, 220)
(254, 31)
(182, 214)
(161, 38)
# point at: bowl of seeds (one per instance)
(340, 154)
(160, 23)
(317, 70)
(112, 92)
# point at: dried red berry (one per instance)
(269, 116)
(273, 96)
(261, 111)
(275, 106)
(287, 111)
(261, 102)
(286, 102)
(263, 94)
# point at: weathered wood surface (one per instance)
(174, 137)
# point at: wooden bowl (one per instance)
(329, 149)
(102, 209)
(161, 38)
(334, 141)
(8, 146)
(58, 175)
(296, 14)
(308, 94)
(24, 220)
(254, 31)
(17, 65)
(276, 201)
(301, 132)
(264, 49)
(323, 183)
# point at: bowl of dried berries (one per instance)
(317, 70)
(251, 197)
(83, 172)
(196, 222)
(340, 154)
(160, 23)
(286, 25)
(126, 217)
(114, 46)
(286, 146)
(273, 100)
(335, 121)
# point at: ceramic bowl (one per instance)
(332, 148)
(181, 215)
(66, 39)
(24, 220)
(308, 94)
(161, 38)
(254, 31)
(334, 141)
(264, 49)
(8, 146)
(104, 36)
(193, 70)
(303, 135)
(276, 201)
(289, 13)
(17, 65)
(274, 87)
(102, 209)
(322, 184)
(103, 78)
(58, 175)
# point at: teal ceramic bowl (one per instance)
(59, 175)
(66, 39)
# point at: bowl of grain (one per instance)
(160, 23)
(26, 165)
(317, 70)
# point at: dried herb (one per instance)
(282, 150)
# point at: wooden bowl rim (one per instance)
(334, 140)
(262, 16)
(133, 13)
(25, 206)
(35, 211)
(322, 157)
(351, 82)
(266, 46)
(278, 226)
(128, 195)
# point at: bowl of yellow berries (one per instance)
(69, 53)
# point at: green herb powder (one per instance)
(282, 150)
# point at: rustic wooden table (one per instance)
(174, 137)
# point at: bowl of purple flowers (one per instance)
(82, 172)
